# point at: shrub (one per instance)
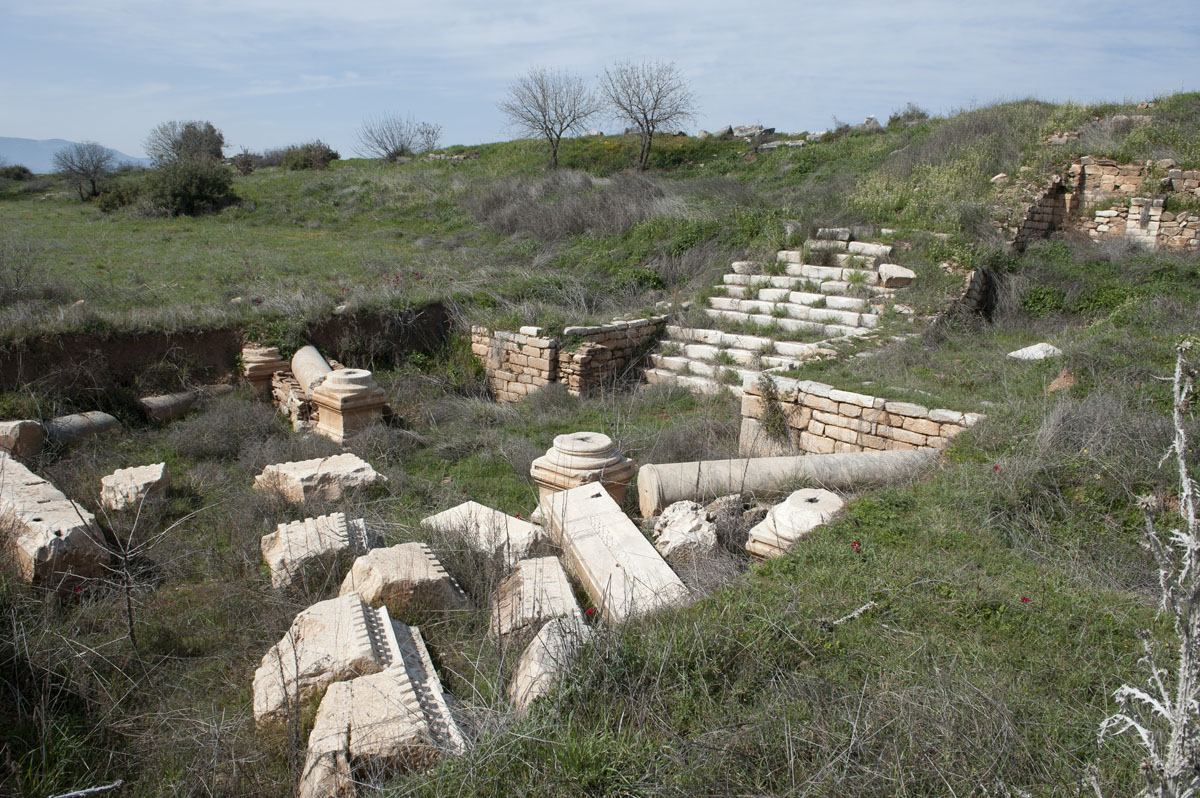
(245, 162)
(189, 188)
(910, 113)
(119, 195)
(313, 155)
(16, 172)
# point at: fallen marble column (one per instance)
(331, 641)
(380, 725)
(310, 368)
(551, 652)
(787, 522)
(622, 572)
(130, 487)
(54, 541)
(535, 592)
(486, 530)
(404, 578)
(347, 401)
(170, 406)
(293, 547)
(78, 426)
(326, 478)
(579, 458)
(22, 439)
(662, 484)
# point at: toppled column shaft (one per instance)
(309, 368)
(664, 484)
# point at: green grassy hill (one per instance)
(1009, 583)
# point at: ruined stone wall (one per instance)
(782, 416)
(605, 353)
(1045, 213)
(1146, 222)
(517, 363)
(1131, 204)
(1099, 180)
(588, 358)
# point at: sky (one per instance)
(274, 72)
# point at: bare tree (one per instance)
(172, 142)
(1165, 714)
(548, 104)
(85, 164)
(392, 137)
(649, 96)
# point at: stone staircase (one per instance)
(759, 314)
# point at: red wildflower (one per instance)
(1025, 599)
(78, 590)
(591, 611)
(855, 545)
(518, 515)
(995, 468)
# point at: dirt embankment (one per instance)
(148, 362)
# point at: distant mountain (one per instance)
(39, 155)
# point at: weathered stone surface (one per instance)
(79, 426)
(53, 540)
(310, 368)
(542, 663)
(403, 578)
(21, 439)
(536, 591)
(168, 406)
(684, 531)
(331, 641)
(743, 131)
(347, 401)
(579, 458)
(324, 477)
(622, 572)
(1040, 351)
(258, 364)
(786, 523)
(893, 276)
(487, 530)
(129, 487)
(294, 546)
(380, 725)
(869, 250)
(834, 234)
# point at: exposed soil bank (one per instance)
(146, 362)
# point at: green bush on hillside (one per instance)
(181, 188)
(16, 172)
(312, 155)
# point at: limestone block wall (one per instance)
(1099, 180)
(605, 353)
(782, 416)
(1045, 213)
(518, 363)
(1146, 222)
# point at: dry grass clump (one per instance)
(227, 427)
(568, 203)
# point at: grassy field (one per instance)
(512, 243)
(1009, 584)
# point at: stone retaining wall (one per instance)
(1046, 213)
(782, 416)
(1100, 181)
(1146, 222)
(518, 363)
